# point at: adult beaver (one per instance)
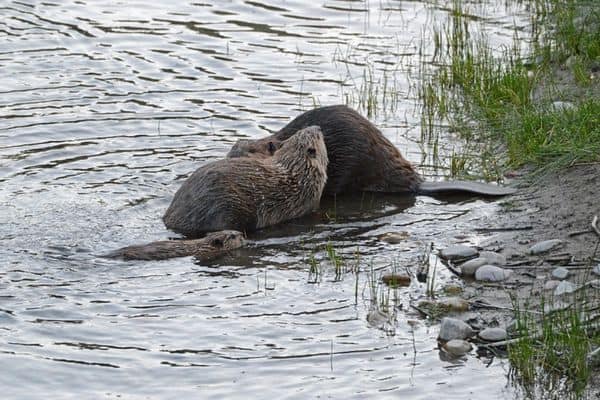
(209, 247)
(361, 158)
(249, 193)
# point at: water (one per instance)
(107, 106)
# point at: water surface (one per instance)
(107, 106)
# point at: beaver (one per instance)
(207, 248)
(361, 158)
(246, 194)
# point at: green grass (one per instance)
(492, 96)
(507, 97)
(550, 359)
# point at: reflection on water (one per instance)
(105, 107)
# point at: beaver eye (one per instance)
(217, 243)
(312, 152)
(272, 148)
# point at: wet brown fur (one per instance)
(361, 158)
(209, 247)
(251, 193)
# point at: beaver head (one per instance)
(224, 240)
(305, 149)
(260, 148)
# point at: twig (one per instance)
(452, 269)
(582, 232)
(505, 229)
(595, 225)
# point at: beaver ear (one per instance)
(312, 152)
(216, 242)
(272, 148)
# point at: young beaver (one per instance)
(361, 158)
(250, 193)
(209, 247)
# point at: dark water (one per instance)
(106, 106)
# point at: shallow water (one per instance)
(107, 106)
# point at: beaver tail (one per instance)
(466, 187)
(207, 248)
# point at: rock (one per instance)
(551, 285)
(562, 106)
(493, 334)
(396, 280)
(453, 289)
(468, 268)
(556, 306)
(457, 347)
(596, 270)
(594, 284)
(458, 252)
(453, 328)
(564, 287)
(491, 273)
(546, 245)
(493, 258)
(377, 318)
(512, 327)
(560, 273)
(455, 304)
(394, 237)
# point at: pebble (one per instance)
(562, 106)
(493, 334)
(491, 273)
(556, 306)
(458, 252)
(455, 304)
(493, 258)
(457, 347)
(546, 245)
(560, 273)
(453, 289)
(596, 270)
(512, 326)
(564, 287)
(377, 318)
(453, 328)
(468, 268)
(551, 285)
(394, 237)
(396, 280)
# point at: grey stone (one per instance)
(546, 245)
(512, 326)
(493, 334)
(556, 305)
(453, 328)
(394, 237)
(457, 347)
(468, 268)
(458, 252)
(596, 270)
(562, 106)
(560, 273)
(491, 273)
(455, 304)
(551, 285)
(564, 287)
(493, 258)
